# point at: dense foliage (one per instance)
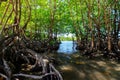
(28, 27)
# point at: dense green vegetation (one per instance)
(95, 23)
(85, 18)
(34, 25)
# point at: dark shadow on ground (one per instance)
(76, 67)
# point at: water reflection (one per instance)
(67, 47)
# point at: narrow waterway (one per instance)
(73, 66)
(67, 47)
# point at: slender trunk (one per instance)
(52, 17)
(118, 26)
(108, 26)
(115, 18)
(15, 29)
(29, 15)
(90, 25)
(98, 26)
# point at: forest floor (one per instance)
(76, 67)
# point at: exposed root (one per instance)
(17, 61)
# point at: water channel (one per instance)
(67, 47)
(73, 66)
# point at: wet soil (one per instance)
(76, 67)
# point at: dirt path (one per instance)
(78, 68)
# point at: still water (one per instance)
(73, 66)
(67, 47)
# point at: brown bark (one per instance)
(98, 26)
(108, 26)
(52, 18)
(90, 24)
(29, 15)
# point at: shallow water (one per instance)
(67, 47)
